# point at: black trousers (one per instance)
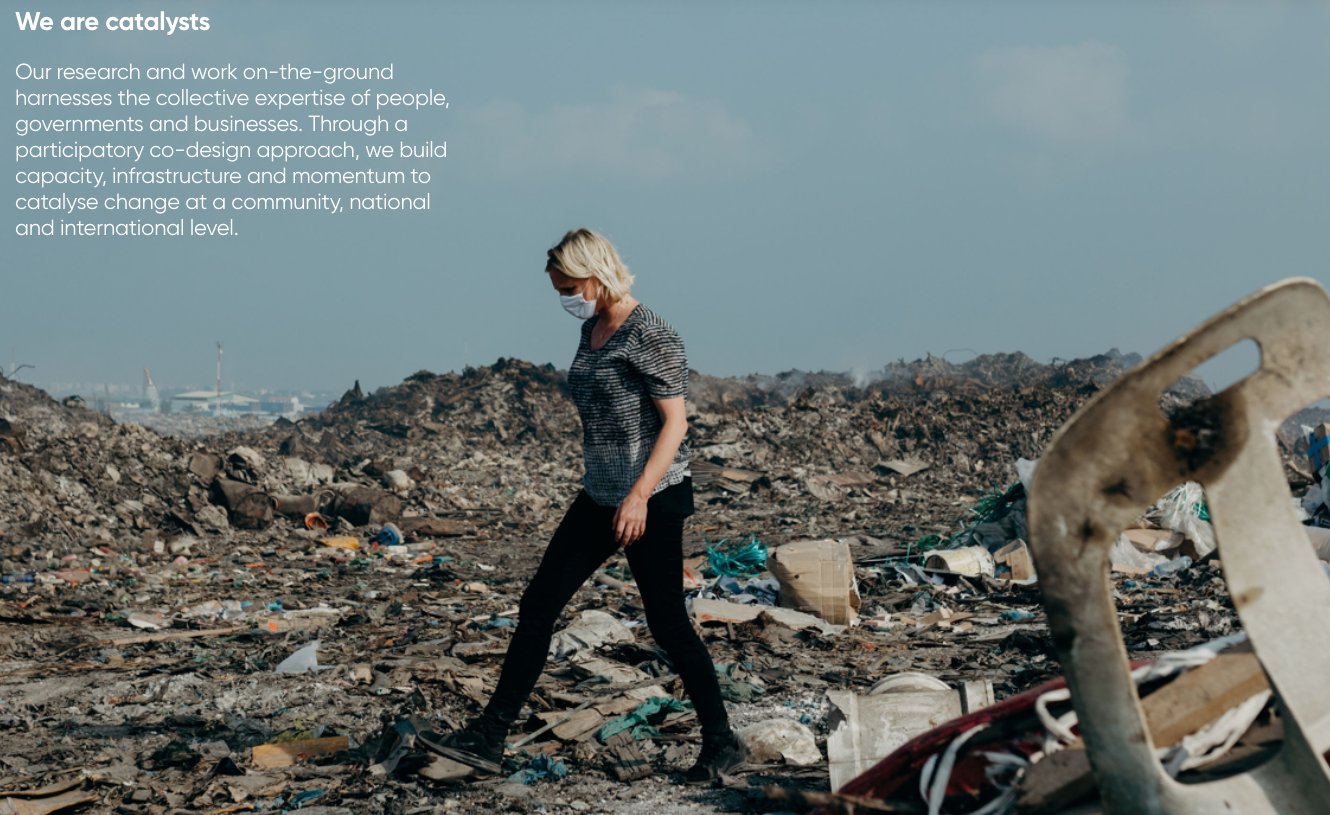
(583, 541)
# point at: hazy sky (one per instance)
(796, 185)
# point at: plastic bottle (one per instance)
(1171, 568)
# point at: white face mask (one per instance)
(578, 306)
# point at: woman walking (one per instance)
(628, 380)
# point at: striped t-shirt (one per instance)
(612, 387)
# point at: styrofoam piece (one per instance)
(866, 729)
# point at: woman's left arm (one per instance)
(631, 518)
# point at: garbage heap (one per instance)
(282, 618)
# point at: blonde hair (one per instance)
(583, 254)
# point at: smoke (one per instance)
(862, 379)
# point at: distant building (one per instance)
(286, 405)
(209, 400)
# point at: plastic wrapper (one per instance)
(1124, 553)
(1181, 510)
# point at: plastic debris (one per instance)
(540, 767)
(733, 687)
(342, 542)
(781, 740)
(389, 535)
(867, 728)
(1184, 510)
(737, 559)
(641, 722)
(303, 661)
(591, 630)
(1172, 567)
(151, 622)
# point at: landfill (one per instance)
(252, 616)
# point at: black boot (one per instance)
(479, 745)
(721, 755)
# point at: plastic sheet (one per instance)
(303, 661)
(592, 630)
(641, 721)
(1124, 553)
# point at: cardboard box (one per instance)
(817, 577)
(1016, 557)
(722, 611)
(1154, 540)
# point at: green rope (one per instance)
(736, 559)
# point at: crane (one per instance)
(150, 391)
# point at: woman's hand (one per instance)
(630, 519)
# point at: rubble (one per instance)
(154, 586)
(192, 425)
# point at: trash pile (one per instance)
(72, 475)
(185, 425)
(931, 375)
(283, 617)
